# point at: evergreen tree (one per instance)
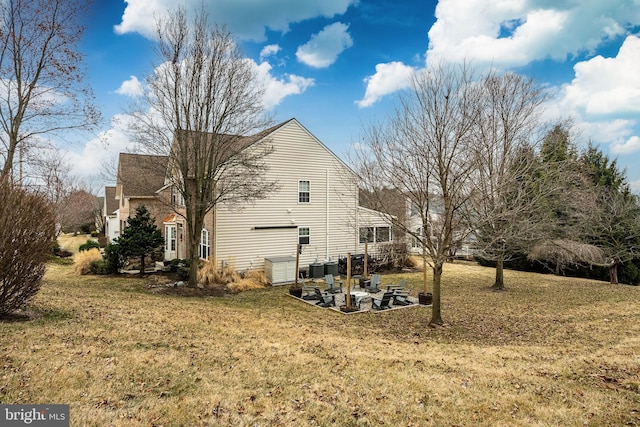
(141, 237)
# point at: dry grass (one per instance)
(227, 279)
(71, 243)
(549, 351)
(82, 260)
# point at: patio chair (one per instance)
(309, 291)
(325, 299)
(399, 287)
(374, 284)
(401, 298)
(331, 285)
(383, 303)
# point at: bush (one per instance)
(83, 260)
(113, 258)
(181, 267)
(27, 237)
(98, 267)
(90, 244)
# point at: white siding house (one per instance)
(316, 205)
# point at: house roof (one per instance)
(140, 175)
(110, 199)
(227, 145)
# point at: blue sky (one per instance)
(338, 65)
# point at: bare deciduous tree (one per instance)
(41, 74)
(77, 211)
(424, 152)
(202, 101)
(508, 191)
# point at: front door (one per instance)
(170, 242)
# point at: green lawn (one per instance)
(548, 351)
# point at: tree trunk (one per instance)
(193, 265)
(499, 284)
(142, 267)
(613, 273)
(436, 316)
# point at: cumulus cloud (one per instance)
(277, 89)
(508, 33)
(324, 47)
(605, 86)
(131, 87)
(102, 151)
(247, 19)
(269, 50)
(387, 79)
(631, 145)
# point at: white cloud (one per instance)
(277, 89)
(101, 151)
(631, 145)
(131, 87)
(269, 50)
(247, 19)
(324, 47)
(605, 86)
(510, 33)
(388, 78)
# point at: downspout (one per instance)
(327, 216)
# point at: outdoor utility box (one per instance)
(331, 267)
(280, 270)
(316, 270)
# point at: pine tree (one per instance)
(141, 237)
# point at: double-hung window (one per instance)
(205, 248)
(303, 235)
(304, 192)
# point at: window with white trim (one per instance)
(204, 249)
(304, 235)
(304, 191)
(383, 234)
(366, 234)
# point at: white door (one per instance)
(169, 242)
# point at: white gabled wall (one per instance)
(331, 214)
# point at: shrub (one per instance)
(113, 258)
(181, 267)
(90, 244)
(27, 236)
(141, 238)
(82, 260)
(98, 267)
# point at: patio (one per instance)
(363, 299)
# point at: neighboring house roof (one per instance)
(140, 175)
(110, 198)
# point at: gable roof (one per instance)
(140, 175)
(110, 200)
(265, 133)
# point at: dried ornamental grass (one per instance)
(82, 260)
(227, 278)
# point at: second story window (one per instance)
(176, 197)
(304, 192)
